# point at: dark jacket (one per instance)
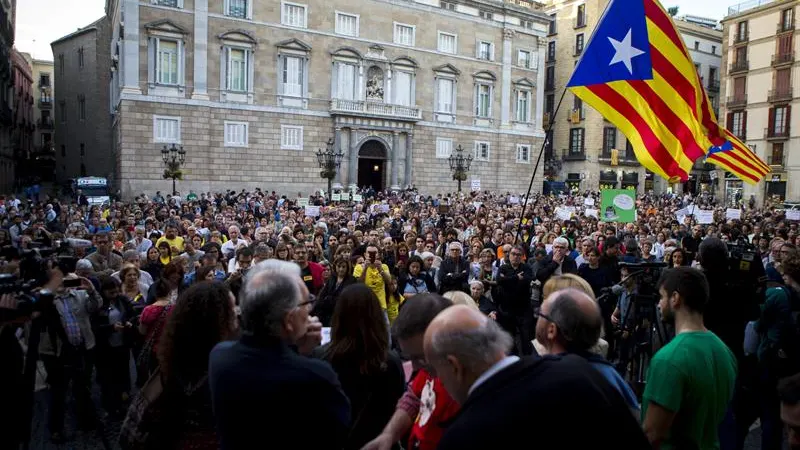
(326, 302)
(547, 267)
(262, 389)
(453, 275)
(576, 408)
(515, 293)
(103, 328)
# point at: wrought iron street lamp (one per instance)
(174, 157)
(329, 161)
(459, 165)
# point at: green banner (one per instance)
(618, 205)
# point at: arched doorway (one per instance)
(372, 165)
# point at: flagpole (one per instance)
(547, 136)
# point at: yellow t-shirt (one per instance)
(393, 306)
(176, 243)
(374, 280)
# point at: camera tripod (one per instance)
(646, 335)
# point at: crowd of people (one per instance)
(449, 321)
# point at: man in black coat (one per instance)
(514, 304)
(502, 397)
(556, 263)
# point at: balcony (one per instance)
(777, 162)
(776, 134)
(780, 95)
(737, 101)
(741, 38)
(713, 86)
(623, 160)
(45, 103)
(739, 66)
(785, 27)
(45, 123)
(375, 109)
(781, 59)
(569, 155)
(580, 21)
(546, 120)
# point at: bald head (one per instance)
(570, 321)
(460, 345)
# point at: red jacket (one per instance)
(316, 276)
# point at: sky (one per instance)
(40, 22)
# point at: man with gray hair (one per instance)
(502, 396)
(133, 257)
(558, 262)
(266, 368)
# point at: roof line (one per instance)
(91, 27)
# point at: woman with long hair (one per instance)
(341, 277)
(372, 376)
(202, 317)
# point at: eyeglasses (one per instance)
(537, 313)
(310, 302)
(516, 254)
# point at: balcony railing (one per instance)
(44, 84)
(776, 133)
(45, 124)
(372, 108)
(785, 27)
(45, 103)
(741, 37)
(780, 95)
(713, 86)
(546, 120)
(739, 66)
(580, 21)
(780, 59)
(777, 161)
(737, 101)
(624, 159)
(570, 155)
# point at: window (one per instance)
(713, 49)
(447, 42)
(80, 57)
(577, 106)
(239, 8)
(485, 15)
(166, 129)
(482, 151)
(523, 106)
(697, 45)
(527, 24)
(292, 76)
(403, 88)
(779, 120)
(445, 96)
(61, 63)
(81, 107)
(404, 34)
(552, 28)
(236, 134)
(787, 19)
(609, 140)
(524, 59)
(776, 158)
(62, 108)
(551, 51)
(294, 14)
(83, 150)
(741, 31)
(444, 147)
(170, 3)
(167, 62)
(485, 51)
(63, 150)
(347, 24)
(345, 80)
(549, 103)
(550, 78)
(483, 100)
(576, 142)
(238, 73)
(523, 153)
(44, 80)
(737, 124)
(580, 19)
(291, 137)
(578, 44)
(448, 6)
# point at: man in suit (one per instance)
(262, 387)
(502, 396)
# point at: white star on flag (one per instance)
(624, 52)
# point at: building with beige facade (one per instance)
(761, 69)
(44, 138)
(251, 90)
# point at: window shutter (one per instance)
(771, 121)
(744, 125)
(229, 68)
(181, 71)
(151, 60)
(729, 122)
(788, 118)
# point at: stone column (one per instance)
(395, 161)
(353, 166)
(130, 48)
(337, 146)
(409, 159)
(540, 85)
(200, 91)
(505, 79)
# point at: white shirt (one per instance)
(492, 371)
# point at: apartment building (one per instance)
(22, 133)
(584, 150)
(43, 152)
(251, 90)
(760, 72)
(7, 161)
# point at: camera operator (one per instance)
(66, 348)
(725, 314)
(12, 383)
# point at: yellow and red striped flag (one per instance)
(637, 73)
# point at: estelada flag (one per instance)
(637, 73)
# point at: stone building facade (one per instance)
(82, 67)
(760, 68)
(7, 161)
(22, 134)
(251, 90)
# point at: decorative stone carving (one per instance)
(508, 33)
(375, 52)
(375, 83)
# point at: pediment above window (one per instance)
(405, 61)
(165, 27)
(524, 83)
(295, 45)
(240, 38)
(485, 75)
(346, 52)
(447, 69)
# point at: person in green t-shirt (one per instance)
(690, 381)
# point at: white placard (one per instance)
(357, 198)
(793, 214)
(589, 201)
(591, 212)
(563, 214)
(548, 248)
(513, 200)
(477, 205)
(326, 335)
(704, 216)
(476, 185)
(302, 202)
(733, 214)
(336, 197)
(312, 211)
